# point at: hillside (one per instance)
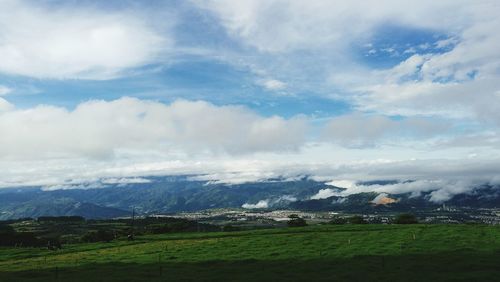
(161, 195)
(316, 253)
(181, 193)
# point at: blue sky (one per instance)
(193, 76)
(247, 89)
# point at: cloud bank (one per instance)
(99, 129)
(439, 189)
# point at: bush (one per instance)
(6, 229)
(53, 243)
(64, 219)
(21, 239)
(230, 228)
(338, 220)
(357, 220)
(405, 218)
(296, 222)
(100, 236)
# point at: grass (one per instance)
(316, 253)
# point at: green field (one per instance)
(329, 253)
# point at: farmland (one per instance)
(321, 252)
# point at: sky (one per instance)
(238, 91)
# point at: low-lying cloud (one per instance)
(325, 193)
(262, 204)
(439, 190)
(267, 203)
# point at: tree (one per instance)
(230, 228)
(406, 218)
(296, 221)
(6, 229)
(338, 220)
(100, 236)
(357, 220)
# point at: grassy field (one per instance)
(328, 253)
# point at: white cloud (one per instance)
(4, 90)
(95, 185)
(277, 25)
(313, 42)
(440, 190)
(100, 129)
(273, 84)
(5, 105)
(473, 100)
(286, 198)
(458, 83)
(125, 180)
(357, 130)
(441, 177)
(262, 204)
(235, 177)
(325, 193)
(347, 184)
(75, 42)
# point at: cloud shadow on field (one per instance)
(465, 265)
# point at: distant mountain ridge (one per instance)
(175, 194)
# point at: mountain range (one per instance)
(171, 194)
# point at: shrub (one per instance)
(100, 236)
(230, 228)
(357, 220)
(338, 220)
(65, 219)
(296, 222)
(405, 218)
(20, 239)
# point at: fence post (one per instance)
(159, 263)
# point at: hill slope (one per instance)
(175, 194)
